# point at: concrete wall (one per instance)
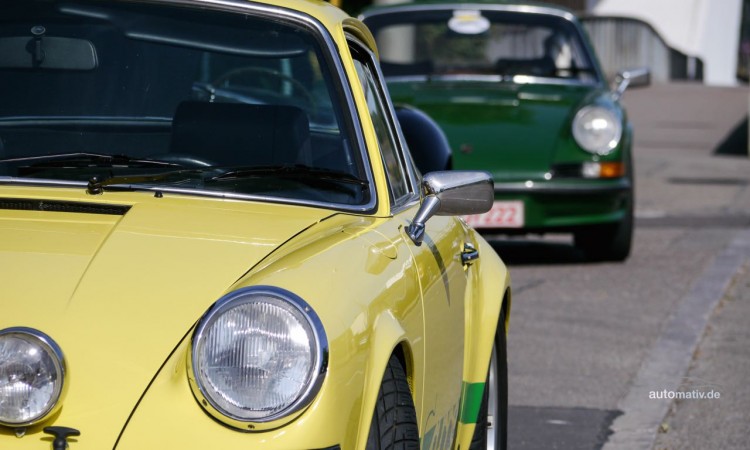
(707, 29)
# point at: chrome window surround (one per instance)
(517, 79)
(527, 9)
(530, 9)
(321, 364)
(407, 162)
(349, 110)
(57, 353)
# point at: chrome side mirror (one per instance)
(631, 78)
(452, 193)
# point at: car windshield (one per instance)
(183, 99)
(460, 43)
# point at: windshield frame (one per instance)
(400, 9)
(350, 126)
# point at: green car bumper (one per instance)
(556, 205)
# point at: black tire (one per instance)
(611, 242)
(394, 422)
(607, 242)
(491, 432)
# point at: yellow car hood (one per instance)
(117, 292)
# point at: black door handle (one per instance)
(469, 254)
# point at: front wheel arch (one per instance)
(388, 341)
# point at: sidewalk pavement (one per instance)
(707, 127)
(720, 365)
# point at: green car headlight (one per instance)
(259, 355)
(597, 129)
(32, 374)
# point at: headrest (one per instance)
(240, 134)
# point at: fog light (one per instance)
(603, 170)
(591, 170)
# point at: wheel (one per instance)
(491, 432)
(611, 242)
(394, 422)
(607, 242)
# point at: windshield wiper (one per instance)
(96, 185)
(312, 176)
(82, 159)
(289, 171)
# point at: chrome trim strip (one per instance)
(41, 182)
(319, 371)
(185, 191)
(517, 79)
(529, 9)
(56, 352)
(547, 188)
(139, 122)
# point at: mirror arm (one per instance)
(429, 207)
(626, 77)
(623, 81)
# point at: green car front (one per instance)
(519, 92)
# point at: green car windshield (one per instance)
(472, 43)
(183, 99)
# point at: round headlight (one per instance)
(597, 129)
(258, 355)
(32, 372)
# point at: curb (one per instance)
(669, 359)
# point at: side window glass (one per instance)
(388, 148)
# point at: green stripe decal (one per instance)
(471, 401)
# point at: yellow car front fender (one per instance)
(388, 336)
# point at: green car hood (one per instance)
(511, 130)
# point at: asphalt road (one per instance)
(592, 346)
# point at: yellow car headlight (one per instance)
(32, 374)
(258, 356)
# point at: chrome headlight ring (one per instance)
(32, 377)
(258, 358)
(597, 129)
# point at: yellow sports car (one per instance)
(213, 236)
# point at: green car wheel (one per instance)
(607, 242)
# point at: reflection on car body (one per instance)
(519, 92)
(212, 235)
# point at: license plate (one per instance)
(502, 215)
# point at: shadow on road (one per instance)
(736, 142)
(519, 252)
(551, 428)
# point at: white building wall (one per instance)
(708, 29)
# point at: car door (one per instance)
(442, 276)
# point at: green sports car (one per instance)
(518, 91)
